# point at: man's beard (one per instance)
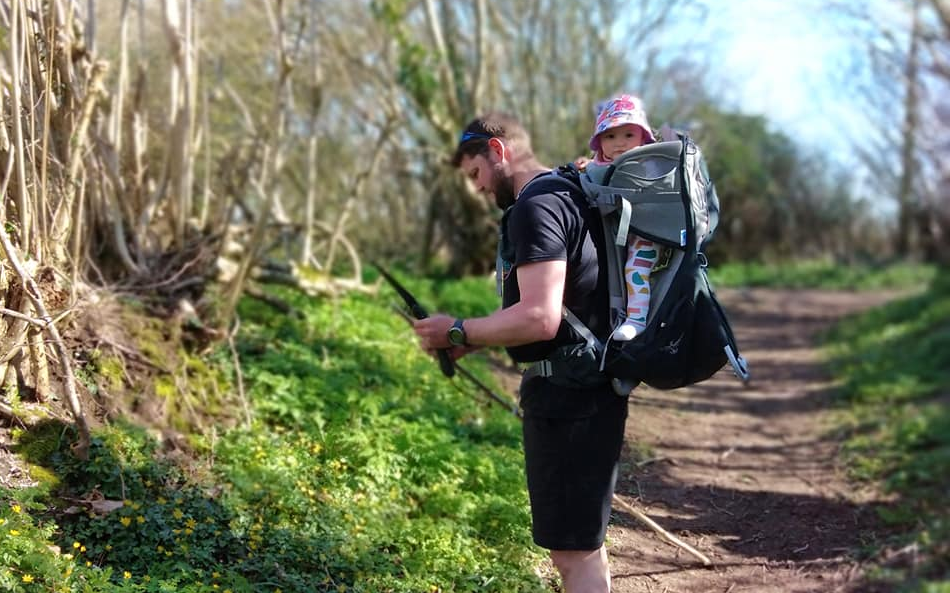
(504, 190)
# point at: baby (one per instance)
(622, 125)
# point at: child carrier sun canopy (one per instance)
(643, 186)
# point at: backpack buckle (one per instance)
(545, 368)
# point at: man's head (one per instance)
(486, 150)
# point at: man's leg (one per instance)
(583, 571)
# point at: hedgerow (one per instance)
(363, 470)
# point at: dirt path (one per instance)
(747, 475)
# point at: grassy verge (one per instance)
(821, 274)
(364, 470)
(894, 364)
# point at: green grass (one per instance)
(365, 471)
(894, 365)
(822, 274)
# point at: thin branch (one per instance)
(237, 370)
(640, 516)
(40, 323)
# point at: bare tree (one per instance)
(905, 63)
(549, 62)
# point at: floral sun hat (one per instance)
(624, 109)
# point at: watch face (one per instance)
(456, 333)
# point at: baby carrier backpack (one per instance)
(660, 191)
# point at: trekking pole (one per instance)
(508, 405)
(637, 514)
(419, 312)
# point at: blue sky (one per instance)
(788, 60)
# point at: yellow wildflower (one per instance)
(178, 514)
(14, 532)
(127, 503)
(108, 547)
(16, 508)
(82, 548)
(140, 519)
(126, 521)
(76, 544)
(27, 578)
(126, 575)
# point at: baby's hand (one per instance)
(581, 162)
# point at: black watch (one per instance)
(456, 334)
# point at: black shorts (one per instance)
(571, 466)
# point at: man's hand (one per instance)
(433, 332)
(433, 335)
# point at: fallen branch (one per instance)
(8, 412)
(325, 286)
(640, 516)
(275, 302)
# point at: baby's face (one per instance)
(616, 141)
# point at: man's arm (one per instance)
(534, 318)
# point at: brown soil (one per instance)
(747, 475)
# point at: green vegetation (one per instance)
(819, 273)
(364, 470)
(894, 363)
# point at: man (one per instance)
(573, 429)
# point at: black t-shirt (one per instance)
(549, 222)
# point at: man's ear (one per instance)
(498, 147)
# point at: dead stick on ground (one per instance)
(625, 506)
(640, 516)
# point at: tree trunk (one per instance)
(907, 202)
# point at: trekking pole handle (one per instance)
(419, 312)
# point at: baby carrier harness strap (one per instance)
(572, 365)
